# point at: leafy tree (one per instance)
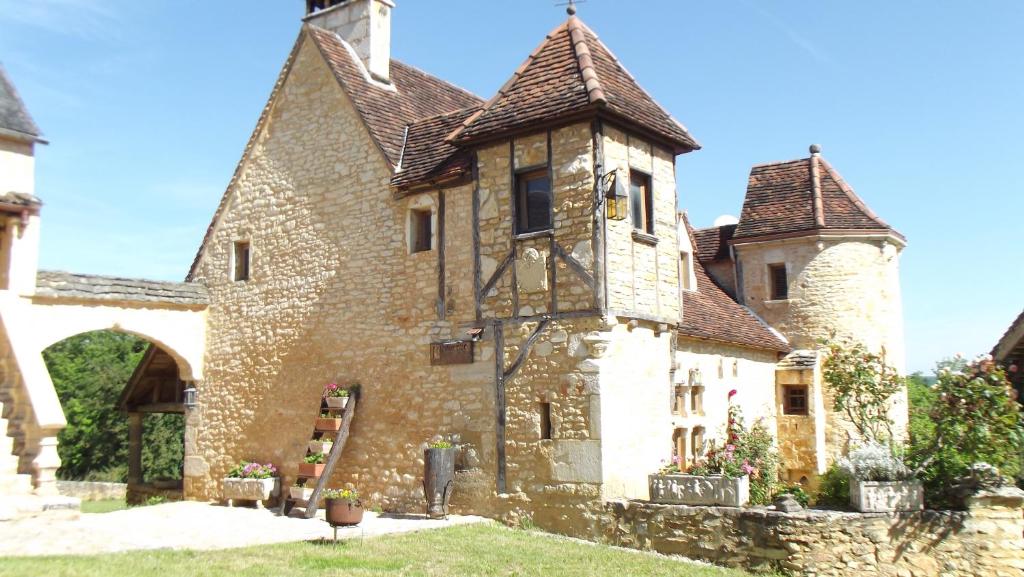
(89, 371)
(864, 386)
(920, 399)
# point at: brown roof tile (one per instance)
(387, 112)
(427, 156)
(710, 313)
(571, 73)
(803, 195)
(713, 242)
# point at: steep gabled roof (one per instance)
(572, 73)
(710, 313)
(388, 111)
(713, 242)
(805, 195)
(1011, 345)
(427, 157)
(14, 117)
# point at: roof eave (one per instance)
(22, 136)
(825, 234)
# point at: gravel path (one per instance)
(189, 525)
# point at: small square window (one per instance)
(794, 400)
(241, 256)
(641, 201)
(779, 282)
(421, 233)
(533, 201)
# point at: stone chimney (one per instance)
(364, 24)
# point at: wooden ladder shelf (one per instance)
(309, 507)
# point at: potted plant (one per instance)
(879, 481)
(335, 396)
(438, 476)
(251, 482)
(321, 445)
(327, 422)
(343, 507)
(720, 478)
(312, 465)
(300, 491)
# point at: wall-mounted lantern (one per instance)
(616, 195)
(191, 396)
(695, 378)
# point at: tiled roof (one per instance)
(572, 73)
(427, 156)
(387, 112)
(710, 313)
(13, 114)
(713, 243)
(92, 287)
(20, 200)
(803, 195)
(1012, 342)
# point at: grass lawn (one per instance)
(484, 549)
(104, 506)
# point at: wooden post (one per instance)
(477, 273)
(499, 400)
(134, 448)
(442, 305)
(599, 219)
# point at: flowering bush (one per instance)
(348, 495)
(977, 421)
(748, 452)
(873, 462)
(247, 470)
(863, 385)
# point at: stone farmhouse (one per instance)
(513, 272)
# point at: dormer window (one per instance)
(533, 201)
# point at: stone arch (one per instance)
(184, 366)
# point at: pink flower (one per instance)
(747, 468)
(732, 393)
(730, 448)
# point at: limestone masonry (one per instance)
(378, 211)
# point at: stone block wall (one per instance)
(985, 541)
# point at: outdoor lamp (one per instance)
(616, 195)
(190, 397)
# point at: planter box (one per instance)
(301, 493)
(337, 402)
(886, 497)
(700, 490)
(311, 470)
(251, 489)
(328, 424)
(320, 447)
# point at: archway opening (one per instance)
(123, 400)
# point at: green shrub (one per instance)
(833, 488)
(798, 493)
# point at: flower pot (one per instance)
(341, 512)
(700, 490)
(886, 496)
(337, 402)
(301, 493)
(438, 480)
(329, 424)
(251, 489)
(320, 447)
(311, 469)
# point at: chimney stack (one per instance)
(364, 24)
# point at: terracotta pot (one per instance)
(328, 424)
(311, 469)
(337, 402)
(341, 512)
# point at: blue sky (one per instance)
(148, 106)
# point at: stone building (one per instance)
(379, 215)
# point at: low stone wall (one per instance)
(92, 491)
(987, 540)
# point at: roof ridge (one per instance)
(817, 207)
(622, 68)
(776, 163)
(585, 62)
(848, 190)
(508, 83)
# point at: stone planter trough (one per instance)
(337, 402)
(257, 490)
(886, 497)
(301, 493)
(320, 447)
(700, 490)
